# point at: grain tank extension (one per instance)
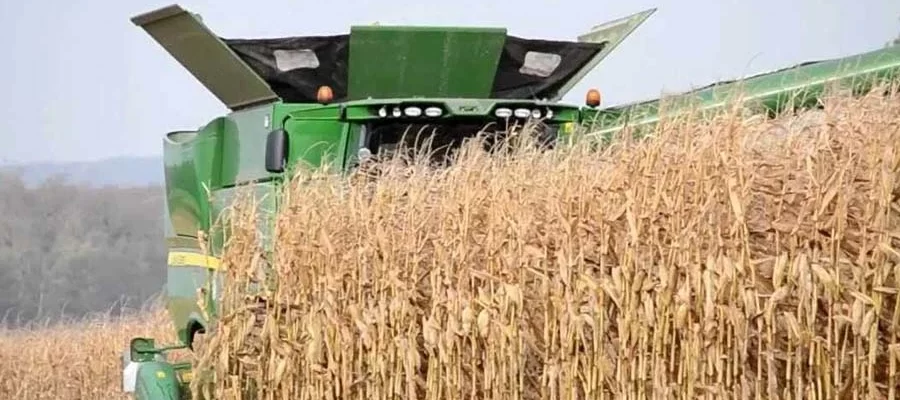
(309, 101)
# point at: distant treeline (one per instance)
(68, 250)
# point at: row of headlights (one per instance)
(411, 111)
(522, 113)
(434, 112)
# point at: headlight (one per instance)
(412, 111)
(535, 113)
(433, 111)
(522, 113)
(382, 112)
(549, 113)
(503, 113)
(364, 154)
(396, 112)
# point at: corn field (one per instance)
(734, 258)
(78, 360)
(728, 258)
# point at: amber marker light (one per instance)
(592, 99)
(325, 95)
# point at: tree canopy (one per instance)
(67, 250)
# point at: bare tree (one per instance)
(67, 250)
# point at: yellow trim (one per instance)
(189, 259)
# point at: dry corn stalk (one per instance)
(723, 259)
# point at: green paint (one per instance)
(181, 298)
(205, 56)
(157, 381)
(315, 142)
(388, 62)
(243, 151)
(453, 108)
(155, 378)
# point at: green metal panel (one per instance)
(611, 33)
(478, 108)
(227, 151)
(182, 283)
(157, 381)
(316, 142)
(389, 62)
(796, 87)
(189, 167)
(244, 146)
(208, 59)
(185, 280)
(353, 143)
(193, 169)
(202, 168)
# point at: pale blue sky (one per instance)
(80, 82)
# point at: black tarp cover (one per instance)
(299, 85)
(511, 83)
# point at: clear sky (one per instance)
(80, 82)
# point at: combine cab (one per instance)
(313, 101)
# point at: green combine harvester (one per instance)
(330, 100)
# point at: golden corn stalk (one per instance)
(724, 258)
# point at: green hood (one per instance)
(383, 61)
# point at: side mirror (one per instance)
(142, 349)
(276, 150)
